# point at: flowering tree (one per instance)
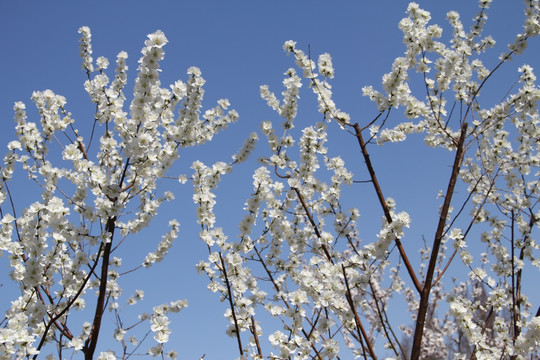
(299, 280)
(299, 255)
(64, 245)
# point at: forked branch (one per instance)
(426, 288)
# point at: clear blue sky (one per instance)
(238, 46)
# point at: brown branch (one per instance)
(359, 326)
(231, 303)
(312, 222)
(68, 305)
(62, 327)
(384, 322)
(426, 289)
(81, 147)
(271, 277)
(314, 323)
(90, 344)
(384, 206)
(484, 327)
(256, 337)
(278, 290)
(517, 300)
(441, 273)
(14, 214)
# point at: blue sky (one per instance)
(238, 46)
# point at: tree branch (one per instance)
(231, 303)
(384, 206)
(359, 326)
(90, 343)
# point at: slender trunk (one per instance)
(90, 343)
(426, 288)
